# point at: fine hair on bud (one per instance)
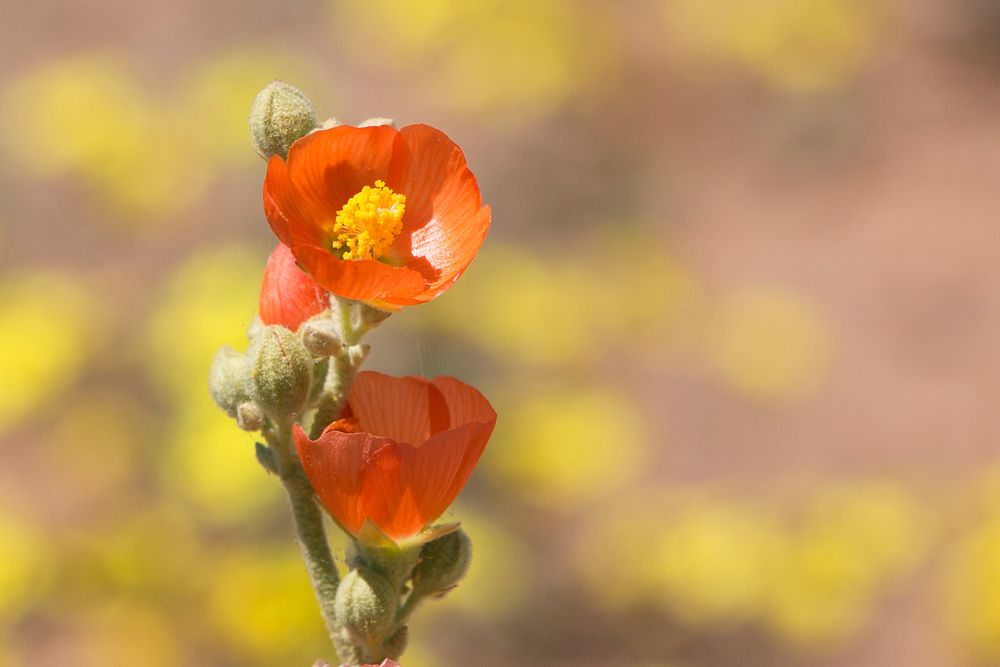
(227, 380)
(281, 373)
(320, 337)
(280, 115)
(249, 417)
(365, 606)
(443, 563)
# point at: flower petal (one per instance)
(445, 221)
(334, 463)
(407, 409)
(434, 474)
(465, 403)
(283, 208)
(361, 279)
(327, 168)
(288, 296)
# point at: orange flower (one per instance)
(400, 455)
(288, 296)
(390, 217)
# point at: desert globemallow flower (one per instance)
(385, 216)
(400, 454)
(288, 296)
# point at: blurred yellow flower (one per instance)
(260, 603)
(208, 302)
(89, 116)
(123, 557)
(48, 326)
(854, 541)
(509, 58)
(713, 559)
(710, 559)
(86, 115)
(972, 581)
(796, 45)
(25, 568)
(567, 447)
(538, 311)
(704, 559)
(210, 463)
(769, 344)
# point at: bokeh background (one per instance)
(738, 311)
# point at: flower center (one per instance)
(369, 222)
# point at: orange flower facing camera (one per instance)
(385, 216)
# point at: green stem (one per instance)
(342, 370)
(306, 512)
(310, 531)
(415, 598)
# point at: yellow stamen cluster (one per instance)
(369, 222)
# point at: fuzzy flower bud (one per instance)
(320, 337)
(365, 606)
(280, 114)
(280, 373)
(249, 417)
(443, 563)
(227, 380)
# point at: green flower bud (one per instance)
(320, 337)
(365, 606)
(249, 417)
(280, 373)
(443, 563)
(227, 380)
(280, 115)
(394, 646)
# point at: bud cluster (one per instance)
(387, 582)
(285, 377)
(271, 381)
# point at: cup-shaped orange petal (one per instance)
(401, 454)
(288, 296)
(390, 217)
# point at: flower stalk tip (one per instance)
(281, 114)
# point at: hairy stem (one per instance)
(310, 531)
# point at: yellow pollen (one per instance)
(369, 222)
